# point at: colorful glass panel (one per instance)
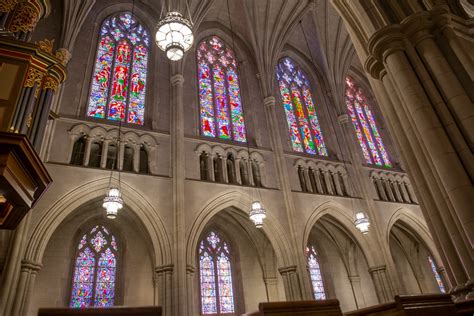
(217, 292)
(303, 124)
(95, 270)
(315, 274)
(119, 81)
(365, 126)
(436, 275)
(100, 80)
(221, 111)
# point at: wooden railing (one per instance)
(411, 305)
(112, 311)
(299, 308)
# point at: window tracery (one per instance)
(365, 126)
(94, 277)
(315, 273)
(303, 124)
(221, 111)
(119, 77)
(216, 276)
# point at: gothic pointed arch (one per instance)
(365, 125)
(120, 72)
(220, 102)
(301, 115)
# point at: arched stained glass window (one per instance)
(436, 275)
(217, 291)
(315, 274)
(303, 125)
(119, 78)
(365, 127)
(219, 91)
(94, 278)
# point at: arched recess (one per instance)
(74, 199)
(344, 257)
(411, 247)
(235, 199)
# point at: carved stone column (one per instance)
(381, 189)
(163, 292)
(309, 187)
(357, 290)
(191, 285)
(237, 170)
(291, 283)
(26, 283)
(383, 287)
(271, 285)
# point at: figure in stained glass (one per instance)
(365, 126)
(119, 79)
(303, 124)
(94, 277)
(216, 285)
(221, 112)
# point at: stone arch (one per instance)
(416, 225)
(338, 212)
(86, 192)
(272, 229)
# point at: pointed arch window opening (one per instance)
(220, 101)
(95, 270)
(303, 124)
(365, 126)
(317, 283)
(439, 281)
(119, 79)
(216, 276)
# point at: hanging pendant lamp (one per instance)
(257, 214)
(174, 35)
(362, 222)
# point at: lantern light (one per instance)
(257, 214)
(174, 35)
(362, 223)
(113, 202)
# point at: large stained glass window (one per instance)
(94, 278)
(365, 127)
(119, 78)
(221, 110)
(217, 292)
(303, 125)
(436, 275)
(315, 273)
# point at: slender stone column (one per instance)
(29, 269)
(120, 156)
(317, 178)
(12, 268)
(381, 189)
(225, 176)
(357, 290)
(210, 165)
(388, 190)
(178, 161)
(163, 288)
(383, 287)
(398, 195)
(136, 157)
(328, 181)
(191, 284)
(105, 151)
(87, 151)
(250, 172)
(337, 183)
(403, 189)
(237, 170)
(309, 187)
(291, 283)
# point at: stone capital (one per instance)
(343, 119)
(386, 41)
(164, 269)
(374, 67)
(177, 79)
(417, 27)
(31, 266)
(289, 269)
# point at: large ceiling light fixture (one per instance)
(362, 222)
(174, 35)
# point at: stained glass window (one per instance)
(365, 127)
(217, 292)
(315, 274)
(95, 268)
(436, 275)
(119, 78)
(221, 110)
(303, 125)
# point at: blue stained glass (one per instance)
(216, 287)
(303, 124)
(436, 275)
(315, 274)
(94, 276)
(119, 80)
(221, 112)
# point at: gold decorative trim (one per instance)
(34, 76)
(46, 45)
(50, 83)
(25, 17)
(7, 5)
(63, 55)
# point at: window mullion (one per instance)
(216, 280)
(229, 107)
(129, 82)
(111, 83)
